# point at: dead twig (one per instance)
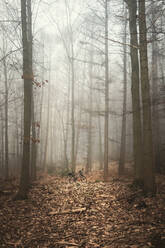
(74, 211)
(67, 243)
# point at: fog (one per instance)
(69, 40)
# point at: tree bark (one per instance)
(33, 146)
(155, 95)
(89, 151)
(2, 144)
(123, 132)
(47, 124)
(73, 109)
(135, 84)
(6, 122)
(40, 130)
(28, 78)
(106, 121)
(17, 139)
(149, 179)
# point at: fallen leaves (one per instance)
(90, 215)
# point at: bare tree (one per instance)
(123, 131)
(155, 93)
(137, 128)
(89, 145)
(48, 120)
(72, 65)
(149, 179)
(106, 123)
(28, 78)
(6, 118)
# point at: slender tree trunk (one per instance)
(34, 145)
(161, 64)
(17, 139)
(66, 163)
(77, 138)
(101, 159)
(100, 143)
(78, 129)
(106, 122)
(28, 78)
(2, 145)
(40, 130)
(71, 60)
(73, 112)
(64, 139)
(67, 121)
(89, 152)
(52, 148)
(47, 125)
(66, 142)
(137, 126)
(155, 95)
(6, 122)
(123, 132)
(149, 179)
(22, 123)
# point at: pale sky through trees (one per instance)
(56, 25)
(50, 27)
(81, 84)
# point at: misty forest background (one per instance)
(90, 89)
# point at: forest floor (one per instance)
(93, 214)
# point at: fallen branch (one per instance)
(74, 211)
(67, 243)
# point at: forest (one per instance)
(82, 123)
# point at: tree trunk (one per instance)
(149, 179)
(106, 121)
(137, 128)
(155, 95)
(100, 143)
(6, 122)
(123, 132)
(34, 145)
(28, 78)
(89, 151)
(40, 130)
(17, 139)
(73, 112)
(2, 144)
(78, 130)
(52, 143)
(47, 124)
(66, 133)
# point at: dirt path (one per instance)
(59, 214)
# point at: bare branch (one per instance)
(9, 53)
